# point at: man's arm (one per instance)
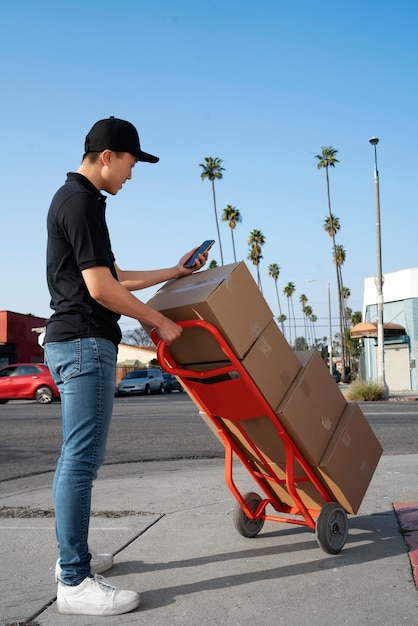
(135, 280)
(111, 294)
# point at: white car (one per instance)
(143, 381)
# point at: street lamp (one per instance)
(379, 280)
(313, 280)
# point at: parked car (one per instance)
(28, 381)
(171, 383)
(143, 381)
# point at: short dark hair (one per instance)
(92, 157)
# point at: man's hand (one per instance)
(168, 331)
(199, 263)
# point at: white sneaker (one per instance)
(96, 596)
(99, 563)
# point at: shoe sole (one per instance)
(104, 611)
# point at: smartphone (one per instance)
(205, 247)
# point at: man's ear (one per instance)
(106, 157)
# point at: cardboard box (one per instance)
(264, 451)
(272, 364)
(307, 491)
(228, 298)
(312, 407)
(350, 459)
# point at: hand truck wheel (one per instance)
(246, 526)
(332, 528)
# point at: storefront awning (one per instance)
(369, 329)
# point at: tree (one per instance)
(307, 310)
(213, 264)
(326, 159)
(281, 319)
(137, 337)
(274, 272)
(303, 300)
(300, 343)
(313, 319)
(332, 225)
(288, 291)
(212, 169)
(256, 241)
(232, 215)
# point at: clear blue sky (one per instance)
(262, 86)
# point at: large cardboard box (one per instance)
(350, 459)
(226, 297)
(261, 446)
(271, 364)
(312, 407)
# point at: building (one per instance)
(400, 322)
(19, 335)
(133, 357)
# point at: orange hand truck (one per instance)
(229, 397)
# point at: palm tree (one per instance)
(308, 314)
(326, 159)
(281, 319)
(212, 169)
(303, 300)
(332, 225)
(288, 291)
(346, 295)
(232, 215)
(339, 260)
(256, 241)
(274, 272)
(313, 319)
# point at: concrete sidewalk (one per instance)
(170, 526)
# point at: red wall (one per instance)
(16, 328)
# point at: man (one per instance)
(89, 293)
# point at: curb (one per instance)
(407, 513)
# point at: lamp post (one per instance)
(380, 365)
(331, 369)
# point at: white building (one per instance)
(400, 320)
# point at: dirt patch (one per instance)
(25, 512)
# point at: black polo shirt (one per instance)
(78, 238)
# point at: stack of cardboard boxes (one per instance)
(332, 435)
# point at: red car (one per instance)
(29, 381)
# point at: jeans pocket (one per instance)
(64, 359)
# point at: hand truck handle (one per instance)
(170, 365)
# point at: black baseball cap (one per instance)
(117, 135)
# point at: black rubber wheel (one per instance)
(332, 528)
(245, 526)
(43, 395)
(147, 391)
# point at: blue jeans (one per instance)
(84, 371)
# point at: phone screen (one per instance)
(204, 247)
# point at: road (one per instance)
(156, 428)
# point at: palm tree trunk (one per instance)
(339, 286)
(290, 320)
(259, 278)
(233, 244)
(217, 223)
